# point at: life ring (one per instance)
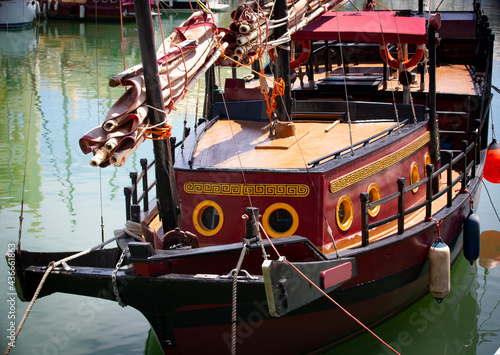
(303, 57)
(396, 64)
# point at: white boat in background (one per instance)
(17, 13)
(213, 5)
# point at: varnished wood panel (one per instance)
(229, 143)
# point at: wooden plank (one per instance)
(282, 143)
(232, 144)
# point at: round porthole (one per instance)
(427, 161)
(374, 195)
(345, 213)
(280, 220)
(414, 176)
(208, 218)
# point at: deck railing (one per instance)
(360, 144)
(131, 192)
(459, 161)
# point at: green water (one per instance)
(54, 88)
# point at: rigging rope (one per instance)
(345, 85)
(329, 229)
(98, 110)
(21, 215)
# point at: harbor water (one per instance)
(54, 88)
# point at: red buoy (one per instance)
(492, 163)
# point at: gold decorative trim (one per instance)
(208, 188)
(379, 165)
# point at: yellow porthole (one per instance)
(280, 220)
(414, 176)
(374, 195)
(427, 161)
(345, 213)
(208, 218)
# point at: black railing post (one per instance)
(135, 213)
(145, 187)
(252, 223)
(133, 177)
(128, 196)
(429, 168)
(401, 205)
(365, 233)
(475, 140)
(464, 178)
(449, 178)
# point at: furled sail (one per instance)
(182, 58)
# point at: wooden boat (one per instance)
(90, 9)
(352, 189)
(17, 13)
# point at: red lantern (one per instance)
(492, 164)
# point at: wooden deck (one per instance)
(231, 143)
(450, 78)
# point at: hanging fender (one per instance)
(396, 64)
(472, 237)
(303, 57)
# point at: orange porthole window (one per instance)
(345, 213)
(208, 218)
(280, 220)
(374, 195)
(414, 175)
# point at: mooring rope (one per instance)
(326, 295)
(236, 271)
(53, 264)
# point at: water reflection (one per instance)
(63, 90)
(19, 72)
(449, 327)
(489, 255)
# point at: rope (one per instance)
(234, 298)
(491, 201)
(326, 295)
(345, 86)
(272, 103)
(329, 229)
(385, 7)
(130, 228)
(438, 224)
(30, 306)
(21, 216)
(98, 110)
(470, 197)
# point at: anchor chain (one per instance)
(113, 278)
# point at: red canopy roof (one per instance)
(365, 26)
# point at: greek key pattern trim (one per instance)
(379, 165)
(208, 188)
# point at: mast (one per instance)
(168, 201)
(434, 130)
(284, 104)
